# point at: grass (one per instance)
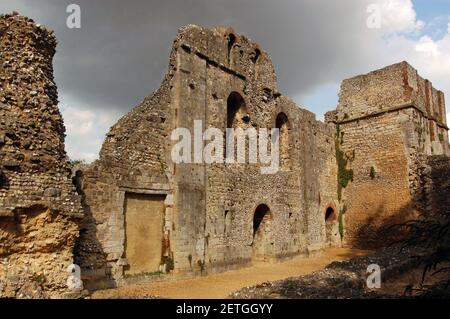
(143, 274)
(344, 175)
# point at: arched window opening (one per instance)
(236, 111)
(231, 41)
(282, 123)
(237, 117)
(255, 55)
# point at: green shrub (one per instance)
(344, 175)
(168, 261)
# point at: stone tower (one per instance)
(387, 122)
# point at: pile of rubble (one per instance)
(39, 206)
(340, 279)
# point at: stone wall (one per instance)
(432, 192)
(438, 200)
(209, 215)
(39, 207)
(387, 121)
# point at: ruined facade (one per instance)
(339, 182)
(39, 207)
(211, 216)
(136, 211)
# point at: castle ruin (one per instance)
(135, 211)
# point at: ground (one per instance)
(221, 285)
(408, 283)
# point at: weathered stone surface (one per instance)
(39, 207)
(432, 187)
(210, 208)
(342, 180)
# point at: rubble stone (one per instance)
(39, 207)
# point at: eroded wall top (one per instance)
(393, 87)
(34, 167)
(153, 119)
(225, 48)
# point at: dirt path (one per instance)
(220, 285)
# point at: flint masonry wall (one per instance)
(386, 121)
(210, 208)
(39, 207)
(132, 160)
(434, 186)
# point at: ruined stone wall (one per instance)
(438, 200)
(39, 207)
(234, 191)
(132, 160)
(433, 189)
(208, 59)
(431, 129)
(379, 192)
(385, 121)
(323, 195)
(210, 207)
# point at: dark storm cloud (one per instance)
(120, 54)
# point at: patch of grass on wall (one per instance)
(168, 261)
(344, 175)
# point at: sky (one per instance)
(120, 54)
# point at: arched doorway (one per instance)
(261, 231)
(237, 117)
(330, 218)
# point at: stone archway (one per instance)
(236, 111)
(330, 222)
(261, 231)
